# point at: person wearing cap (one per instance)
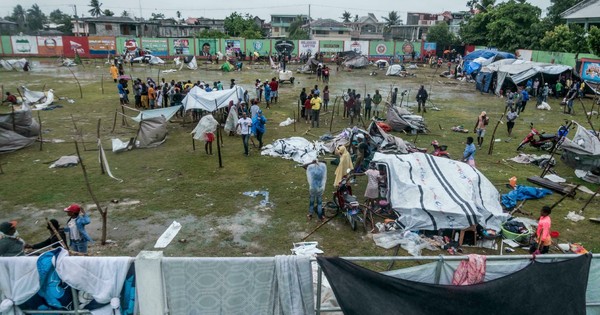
(78, 237)
(53, 240)
(10, 243)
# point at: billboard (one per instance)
(590, 70)
(102, 45)
(262, 46)
(287, 46)
(331, 46)
(182, 46)
(310, 47)
(358, 46)
(207, 46)
(50, 45)
(6, 45)
(25, 45)
(73, 45)
(381, 49)
(127, 45)
(429, 48)
(405, 50)
(157, 46)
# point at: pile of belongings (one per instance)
(540, 160)
(295, 148)
(400, 119)
(309, 67)
(39, 100)
(13, 64)
(377, 139)
(18, 129)
(509, 200)
(460, 128)
(189, 61)
(516, 227)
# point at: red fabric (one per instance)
(470, 271)
(274, 85)
(307, 104)
(384, 126)
(210, 137)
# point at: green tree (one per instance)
(480, 5)
(514, 25)
(441, 35)
(558, 39)
(296, 32)
(237, 24)
(36, 18)
(392, 19)
(18, 16)
(63, 20)
(593, 40)
(556, 8)
(96, 9)
(108, 12)
(474, 29)
(124, 13)
(211, 34)
(346, 17)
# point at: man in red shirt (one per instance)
(274, 87)
(11, 99)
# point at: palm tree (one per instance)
(392, 19)
(480, 5)
(178, 14)
(18, 16)
(36, 17)
(346, 17)
(124, 13)
(95, 10)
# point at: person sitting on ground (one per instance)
(10, 243)
(10, 99)
(53, 240)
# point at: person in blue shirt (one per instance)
(469, 153)
(524, 99)
(258, 127)
(122, 92)
(78, 236)
(267, 94)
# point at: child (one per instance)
(209, 137)
(469, 153)
(543, 238)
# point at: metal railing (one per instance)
(76, 310)
(440, 260)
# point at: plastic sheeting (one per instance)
(26, 129)
(395, 70)
(13, 64)
(191, 64)
(153, 132)
(519, 70)
(523, 193)
(167, 112)
(400, 119)
(294, 148)
(356, 62)
(583, 152)
(432, 193)
(206, 124)
(211, 101)
(483, 57)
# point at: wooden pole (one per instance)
(78, 84)
(41, 133)
(14, 124)
(333, 113)
(294, 113)
(588, 118)
(219, 145)
(193, 143)
(580, 211)
(114, 122)
(102, 83)
(493, 139)
(100, 153)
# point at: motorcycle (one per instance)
(439, 150)
(543, 140)
(347, 203)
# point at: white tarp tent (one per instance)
(432, 193)
(211, 101)
(519, 70)
(394, 70)
(13, 64)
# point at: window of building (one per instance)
(340, 32)
(320, 32)
(108, 27)
(276, 29)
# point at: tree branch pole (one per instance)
(103, 212)
(99, 151)
(14, 124)
(219, 145)
(102, 83)
(294, 113)
(78, 84)
(41, 133)
(493, 138)
(333, 113)
(588, 118)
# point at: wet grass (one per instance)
(174, 182)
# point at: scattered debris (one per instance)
(306, 249)
(574, 216)
(169, 234)
(286, 122)
(265, 202)
(65, 161)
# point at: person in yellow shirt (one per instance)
(315, 106)
(151, 96)
(114, 72)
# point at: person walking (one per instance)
(114, 72)
(376, 101)
(524, 99)
(368, 102)
(510, 120)
(325, 97)
(303, 97)
(244, 124)
(315, 108)
(78, 236)
(274, 90)
(469, 153)
(258, 127)
(482, 121)
(422, 98)
(316, 174)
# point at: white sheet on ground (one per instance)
(32, 96)
(294, 148)
(168, 112)
(432, 193)
(211, 101)
(49, 100)
(168, 235)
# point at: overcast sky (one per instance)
(220, 9)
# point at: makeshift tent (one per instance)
(150, 59)
(31, 97)
(206, 124)
(400, 119)
(377, 139)
(356, 62)
(432, 193)
(310, 66)
(520, 71)
(13, 64)
(47, 101)
(189, 61)
(26, 129)
(474, 61)
(395, 70)
(167, 112)
(211, 101)
(583, 152)
(153, 132)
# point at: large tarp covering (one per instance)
(211, 101)
(394, 70)
(400, 119)
(432, 193)
(26, 129)
(13, 64)
(359, 61)
(167, 112)
(483, 57)
(519, 70)
(539, 288)
(153, 132)
(583, 152)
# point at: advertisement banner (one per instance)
(156, 46)
(406, 50)
(310, 47)
(590, 70)
(231, 46)
(262, 46)
(429, 48)
(358, 46)
(381, 49)
(50, 45)
(102, 45)
(25, 45)
(73, 45)
(182, 46)
(331, 46)
(128, 45)
(207, 46)
(6, 45)
(524, 54)
(288, 46)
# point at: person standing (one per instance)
(571, 95)
(368, 102)
(346, 98)
(122, 92)
(510, 120)
(258, 126)
(316, 174)
(53, 240)
(394, 97)
(254, 109)
(422, 98)
(536, 86)
(482, 121)
(274, 90)
(543, 240)
(114, 72)
(545, 92)
(259, 89)
(10, 243)
(244, 125)
(558, 89)
(303, 97)
(524, 99)
(78, 236)
(267, 94)
(325, 97)
(308, 108)
(209, 137)
(362, 152)
(469, 153)
(144, 95)
(151, 96)
(376, 101)
(315, 108)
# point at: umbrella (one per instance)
(124, 77)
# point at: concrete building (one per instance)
(417, 24)
(201, 24)
(585, 13)
(366, 28)
(328, 29)
(7, 27)
(280, 24)
(107, 26)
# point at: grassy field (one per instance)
(174, 182)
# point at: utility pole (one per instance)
(309, 31)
